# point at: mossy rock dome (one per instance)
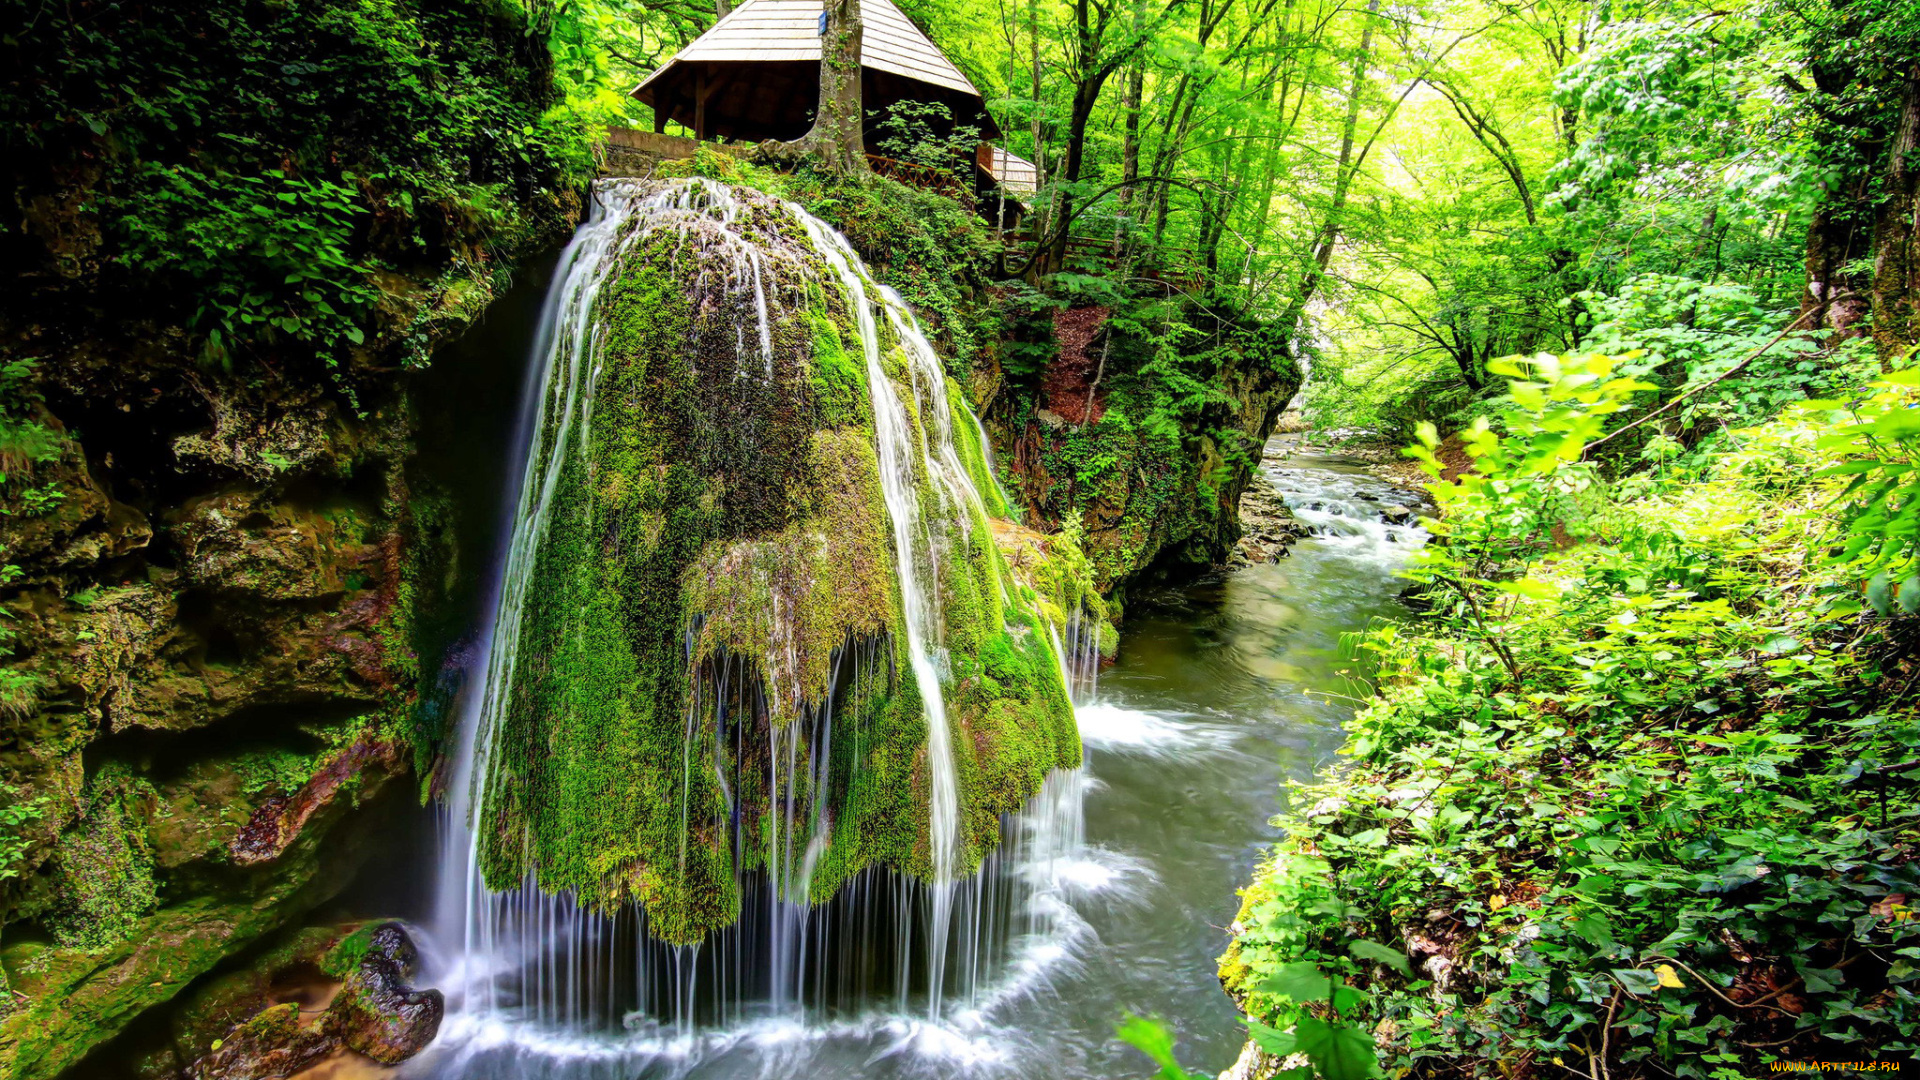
(704, 666)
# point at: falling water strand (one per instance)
(916, 558)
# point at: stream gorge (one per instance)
(776, 746)
(1028, 887)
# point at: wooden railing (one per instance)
(1179, 270)
(921, 176)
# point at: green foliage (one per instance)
(269, 257)
(1686, 333)
(16, 816)
(1878, 442)
(19, 690)
(1636, 802)
(1524, 483)
(24, 440)
(254, 169)
(923, 133)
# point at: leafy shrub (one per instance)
(248, 168)
(1639, 804)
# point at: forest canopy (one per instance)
(1413, 190)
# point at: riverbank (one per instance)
(1627, 817)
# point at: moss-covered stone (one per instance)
(710, 667)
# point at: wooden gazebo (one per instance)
(756, 74)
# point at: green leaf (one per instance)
(1878, 593)
(1340, 1052)
(1529, 588)
(1821, 980)
(1271, 1039)
(1393, 958)
(1151, 1037)
(1300, 981)
(1636, 981)
(1594, 929)
(1595, 884)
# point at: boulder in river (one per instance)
(374, 1013)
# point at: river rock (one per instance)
(1267, 526)
(1396, 515)
(376, 1012)
(273, 1043)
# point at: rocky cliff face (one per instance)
(1146, 432)
(212, 554)
(210, 606)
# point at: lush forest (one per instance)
(1630, 289)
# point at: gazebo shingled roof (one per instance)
(756, 73)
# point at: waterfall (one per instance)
(900, 461)
(530, 965)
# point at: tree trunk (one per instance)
(836, 140)
(1084, 97)
(1130, 143)
(1833, 299)
(1896, 239)
(721, 8)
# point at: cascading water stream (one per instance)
(914, 551)
(533, 968)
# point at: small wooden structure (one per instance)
(1017, 176)
(756, 74)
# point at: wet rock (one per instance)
(278, 821)
(1267, 526)
(244, 542)
(274, 1043)
(376, 1012)
(1396, 515)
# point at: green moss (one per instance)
(344, 958)
(839, 376)
(713, 624)
(103, 866)
(973, 455)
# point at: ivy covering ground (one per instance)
(1638, 800)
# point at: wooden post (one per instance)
(700, 107)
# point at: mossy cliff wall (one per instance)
(232, 224)
(711, 673)
(1143, 422)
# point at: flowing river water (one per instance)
(1115, 888)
